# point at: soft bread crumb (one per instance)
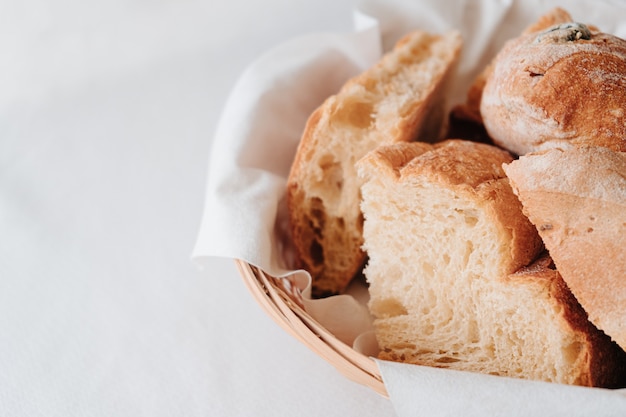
(448, 247)
(398, 100)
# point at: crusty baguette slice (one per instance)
(399, 99)
(576, 197)
(446, 238)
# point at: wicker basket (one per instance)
(284, 308)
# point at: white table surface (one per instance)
(107, 111)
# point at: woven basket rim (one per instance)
(286, 312)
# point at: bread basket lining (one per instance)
(299, 324)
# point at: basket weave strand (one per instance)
(297, 322)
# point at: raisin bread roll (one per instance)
(448, 247)
(564, 84)
(399, 99)
(576, 197)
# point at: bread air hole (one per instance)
(572, 351)
(446, 359)
(469, 249)
(332, 172)
(429, 269)
(471, 220)
(316, 252)
(470, 217)
(317, 220)
(391, 307)
(355, 113)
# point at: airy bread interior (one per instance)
(448, 245)
(400, 99)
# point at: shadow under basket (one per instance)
(290, 315)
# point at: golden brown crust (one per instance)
(470, 110)
(565, 84)
(459, 162)
(391, 159)
(477, 168)
(576, 197)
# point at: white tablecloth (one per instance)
(107, 111)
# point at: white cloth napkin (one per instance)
(258, 134)
(424, 391)
(256, 140)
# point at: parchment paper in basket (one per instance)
(257, 137)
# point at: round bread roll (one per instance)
(566, 83)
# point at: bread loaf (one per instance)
(576, 197)
(470, 110)
(399, 99)
(449, 285)
(563, 84)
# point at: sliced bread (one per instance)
(448, 250)
(576, 197)
(399, 99)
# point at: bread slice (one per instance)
(576, 197)
(399, 99)
(448, 247)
